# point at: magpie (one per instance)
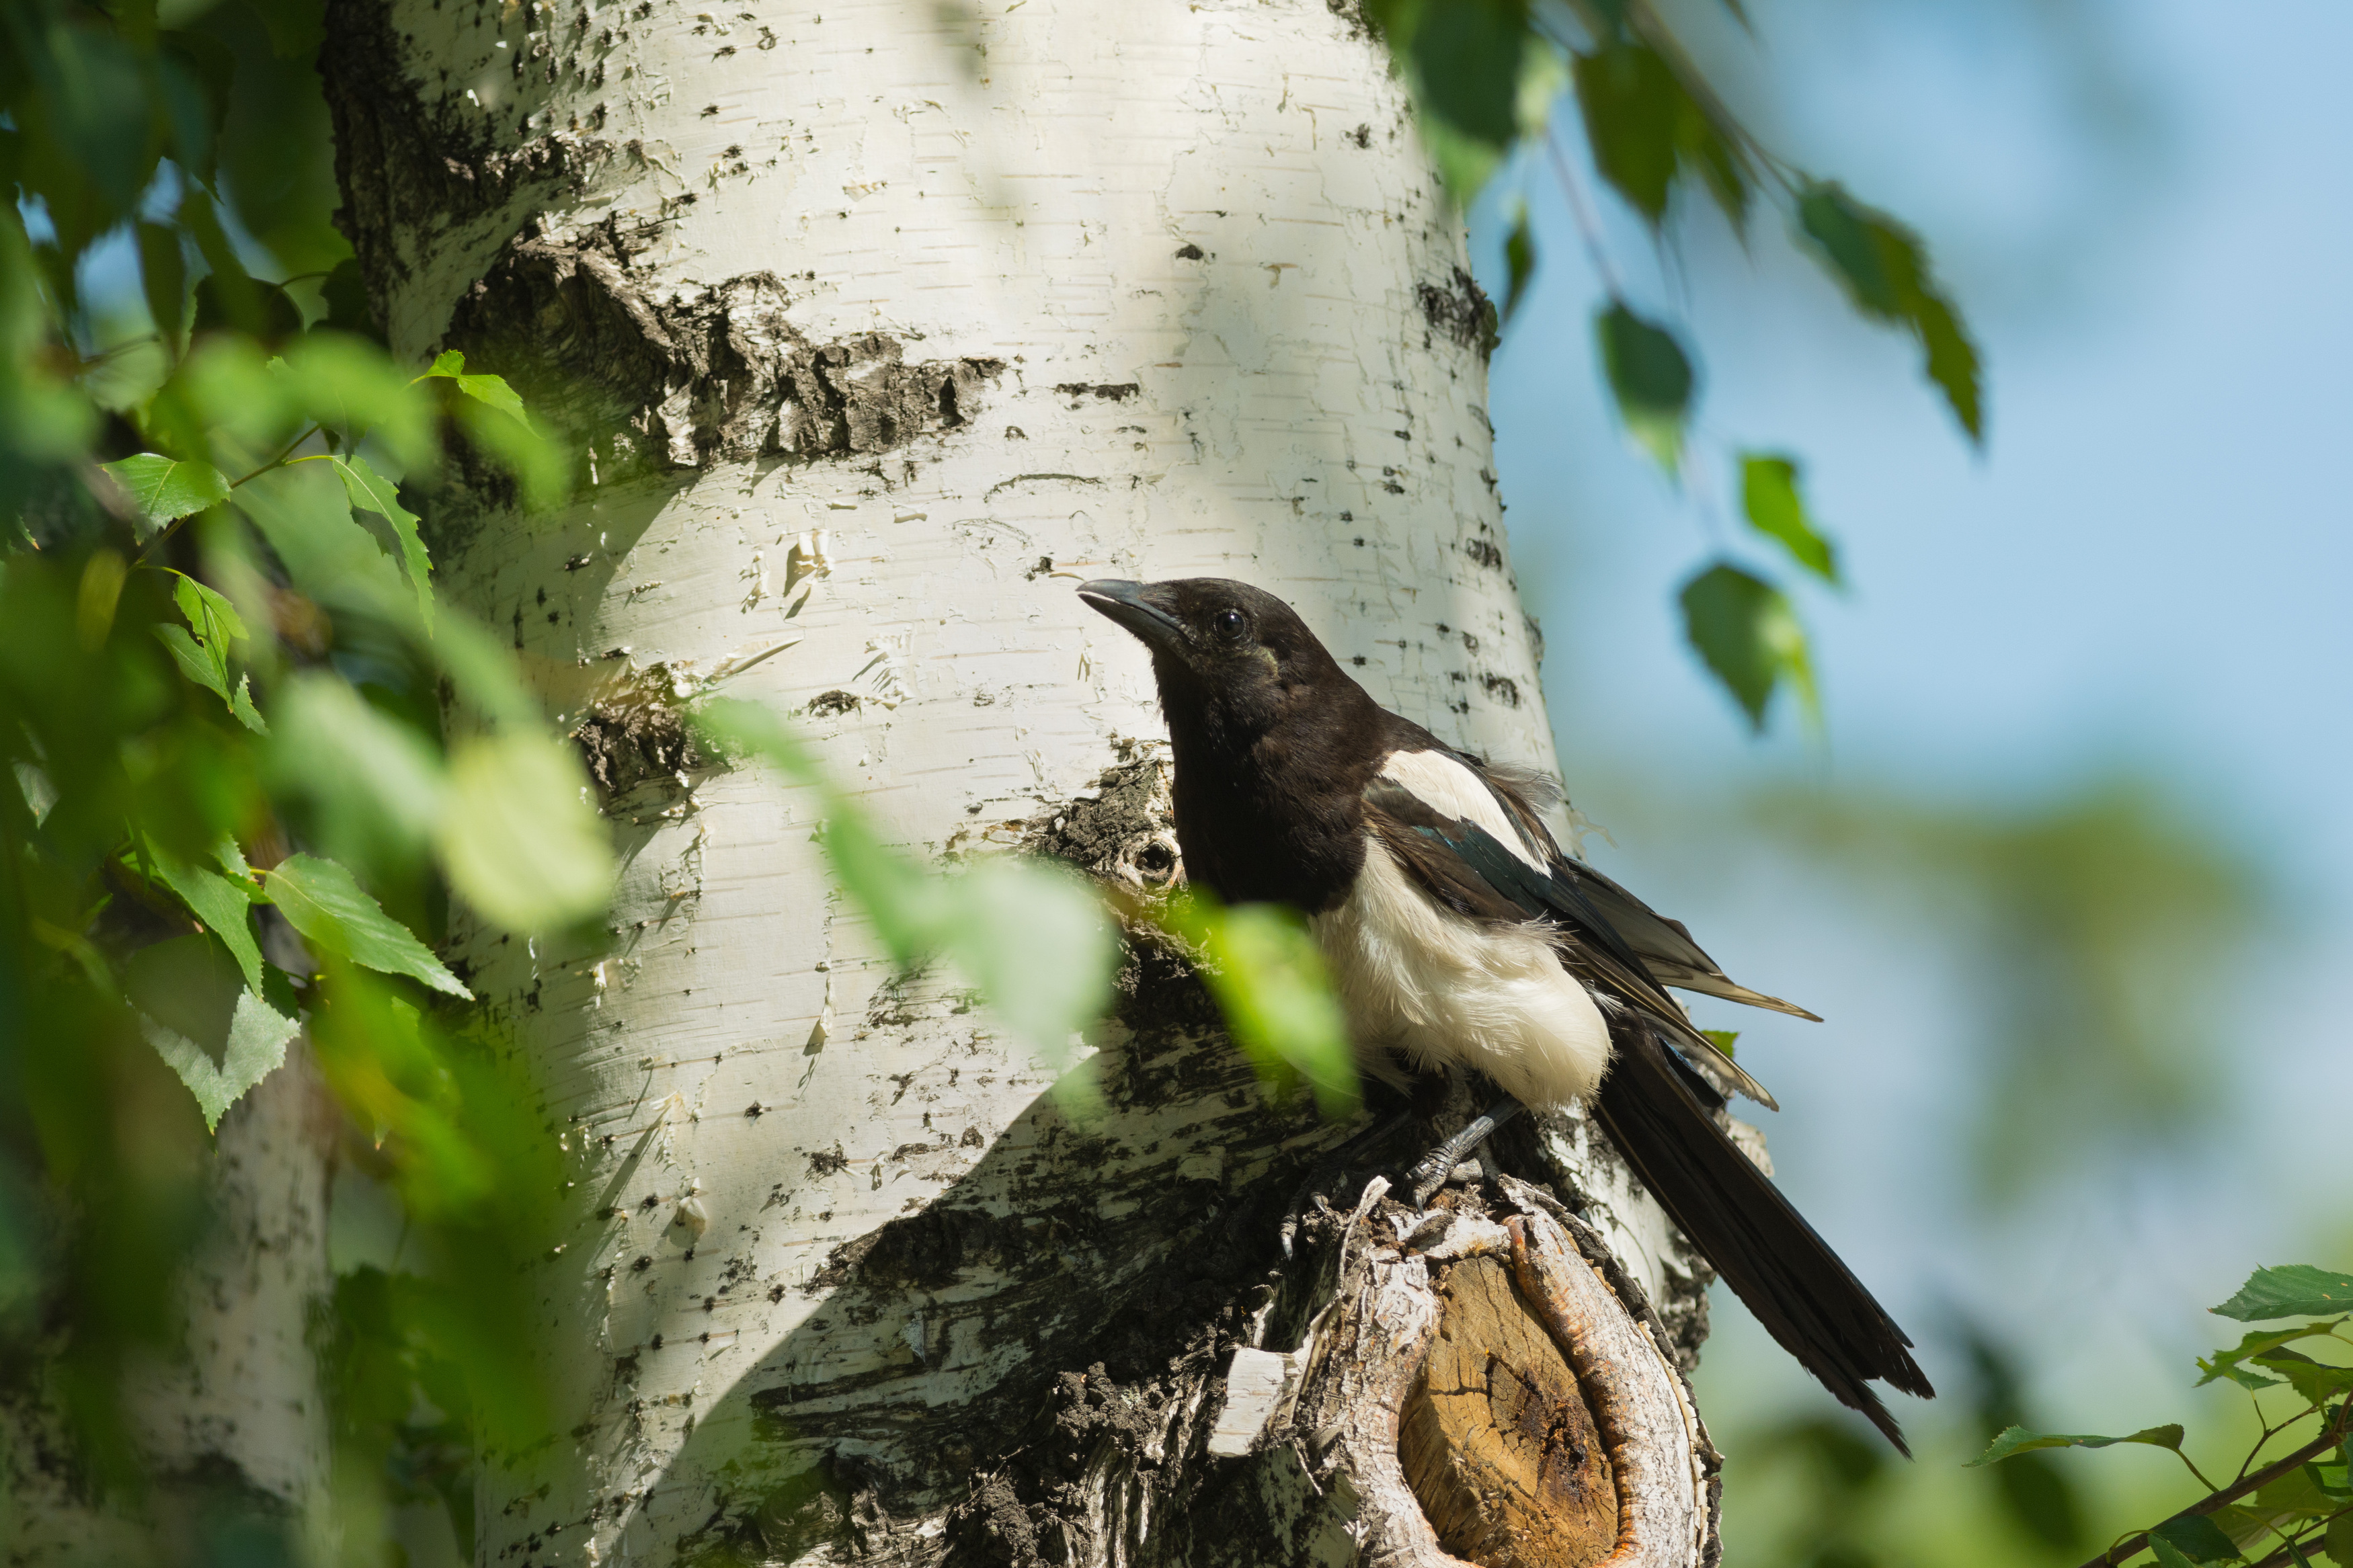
(1457, 932)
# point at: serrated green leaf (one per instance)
(1748, 634)
(2315, 1382)
(2169, 1555)
(240, 705)
(1651, 377)
(1884, 271)
(1721, 1039)
(2196, 1538)
(447, 362)
(166, 489)
(370, 491)
(326, 905)
(1769, 498)
(196, 661)
(2339, 1541)
(2291, 1291)
(2254, 1344)
(221, 903)
(1645, 128)
(2019, 1440)
(209, 613)
(216, 1035)
(517, 836)
(492, 391)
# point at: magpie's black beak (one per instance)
(1130, 604)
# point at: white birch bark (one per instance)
(233, 1431)
(884, 322)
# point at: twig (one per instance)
(1588, 224)
(2330, 1436)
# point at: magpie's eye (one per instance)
(1228, 621)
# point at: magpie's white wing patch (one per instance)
(1450, 789)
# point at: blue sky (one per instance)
(2144, 211)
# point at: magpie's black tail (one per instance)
(1650, 1104)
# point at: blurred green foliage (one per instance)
(2097, 924)
(231, 816)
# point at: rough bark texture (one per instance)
(878, 325)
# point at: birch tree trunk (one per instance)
(880, 323)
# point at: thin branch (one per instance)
(1588, 223)
(2330, 1436)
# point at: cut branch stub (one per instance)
(1497, 1439)
(1493, 1401)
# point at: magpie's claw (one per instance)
(1437, 1168)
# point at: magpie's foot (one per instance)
(1438, 1167)
(1337, 1166)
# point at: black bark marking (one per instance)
(653, 382)
(1460, 309)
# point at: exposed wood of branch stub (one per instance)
(1485, 1394)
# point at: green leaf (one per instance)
(166, 489)
(1646, 130)
(2294, 1290)
(2255, 1344)
(375, 789)
(1520, 256)
(370, 491)
(537, 462)
(1649, 376)
(240, 705)
(1262, 966)
(2298, 1493)
(323, 901)
(1768, 495)
(352, 386)
(2339, 1541)
(2315, 1382)
(1462, 58)
(1748, 634)
(905, 905)
(196, 661)
(163, 276)
(2019, 1440)
(209, 613)
(518, 837)
(1721, 1039)
(216, 1035)
(2197, 1538)
(1033, 937)
(221, 903)
(204, 658)
(1885, 272)
(2169, 1555)
(449, 363)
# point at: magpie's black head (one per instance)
(1223, 650)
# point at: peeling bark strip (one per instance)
(684, 381)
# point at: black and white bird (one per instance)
(1457, 934)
